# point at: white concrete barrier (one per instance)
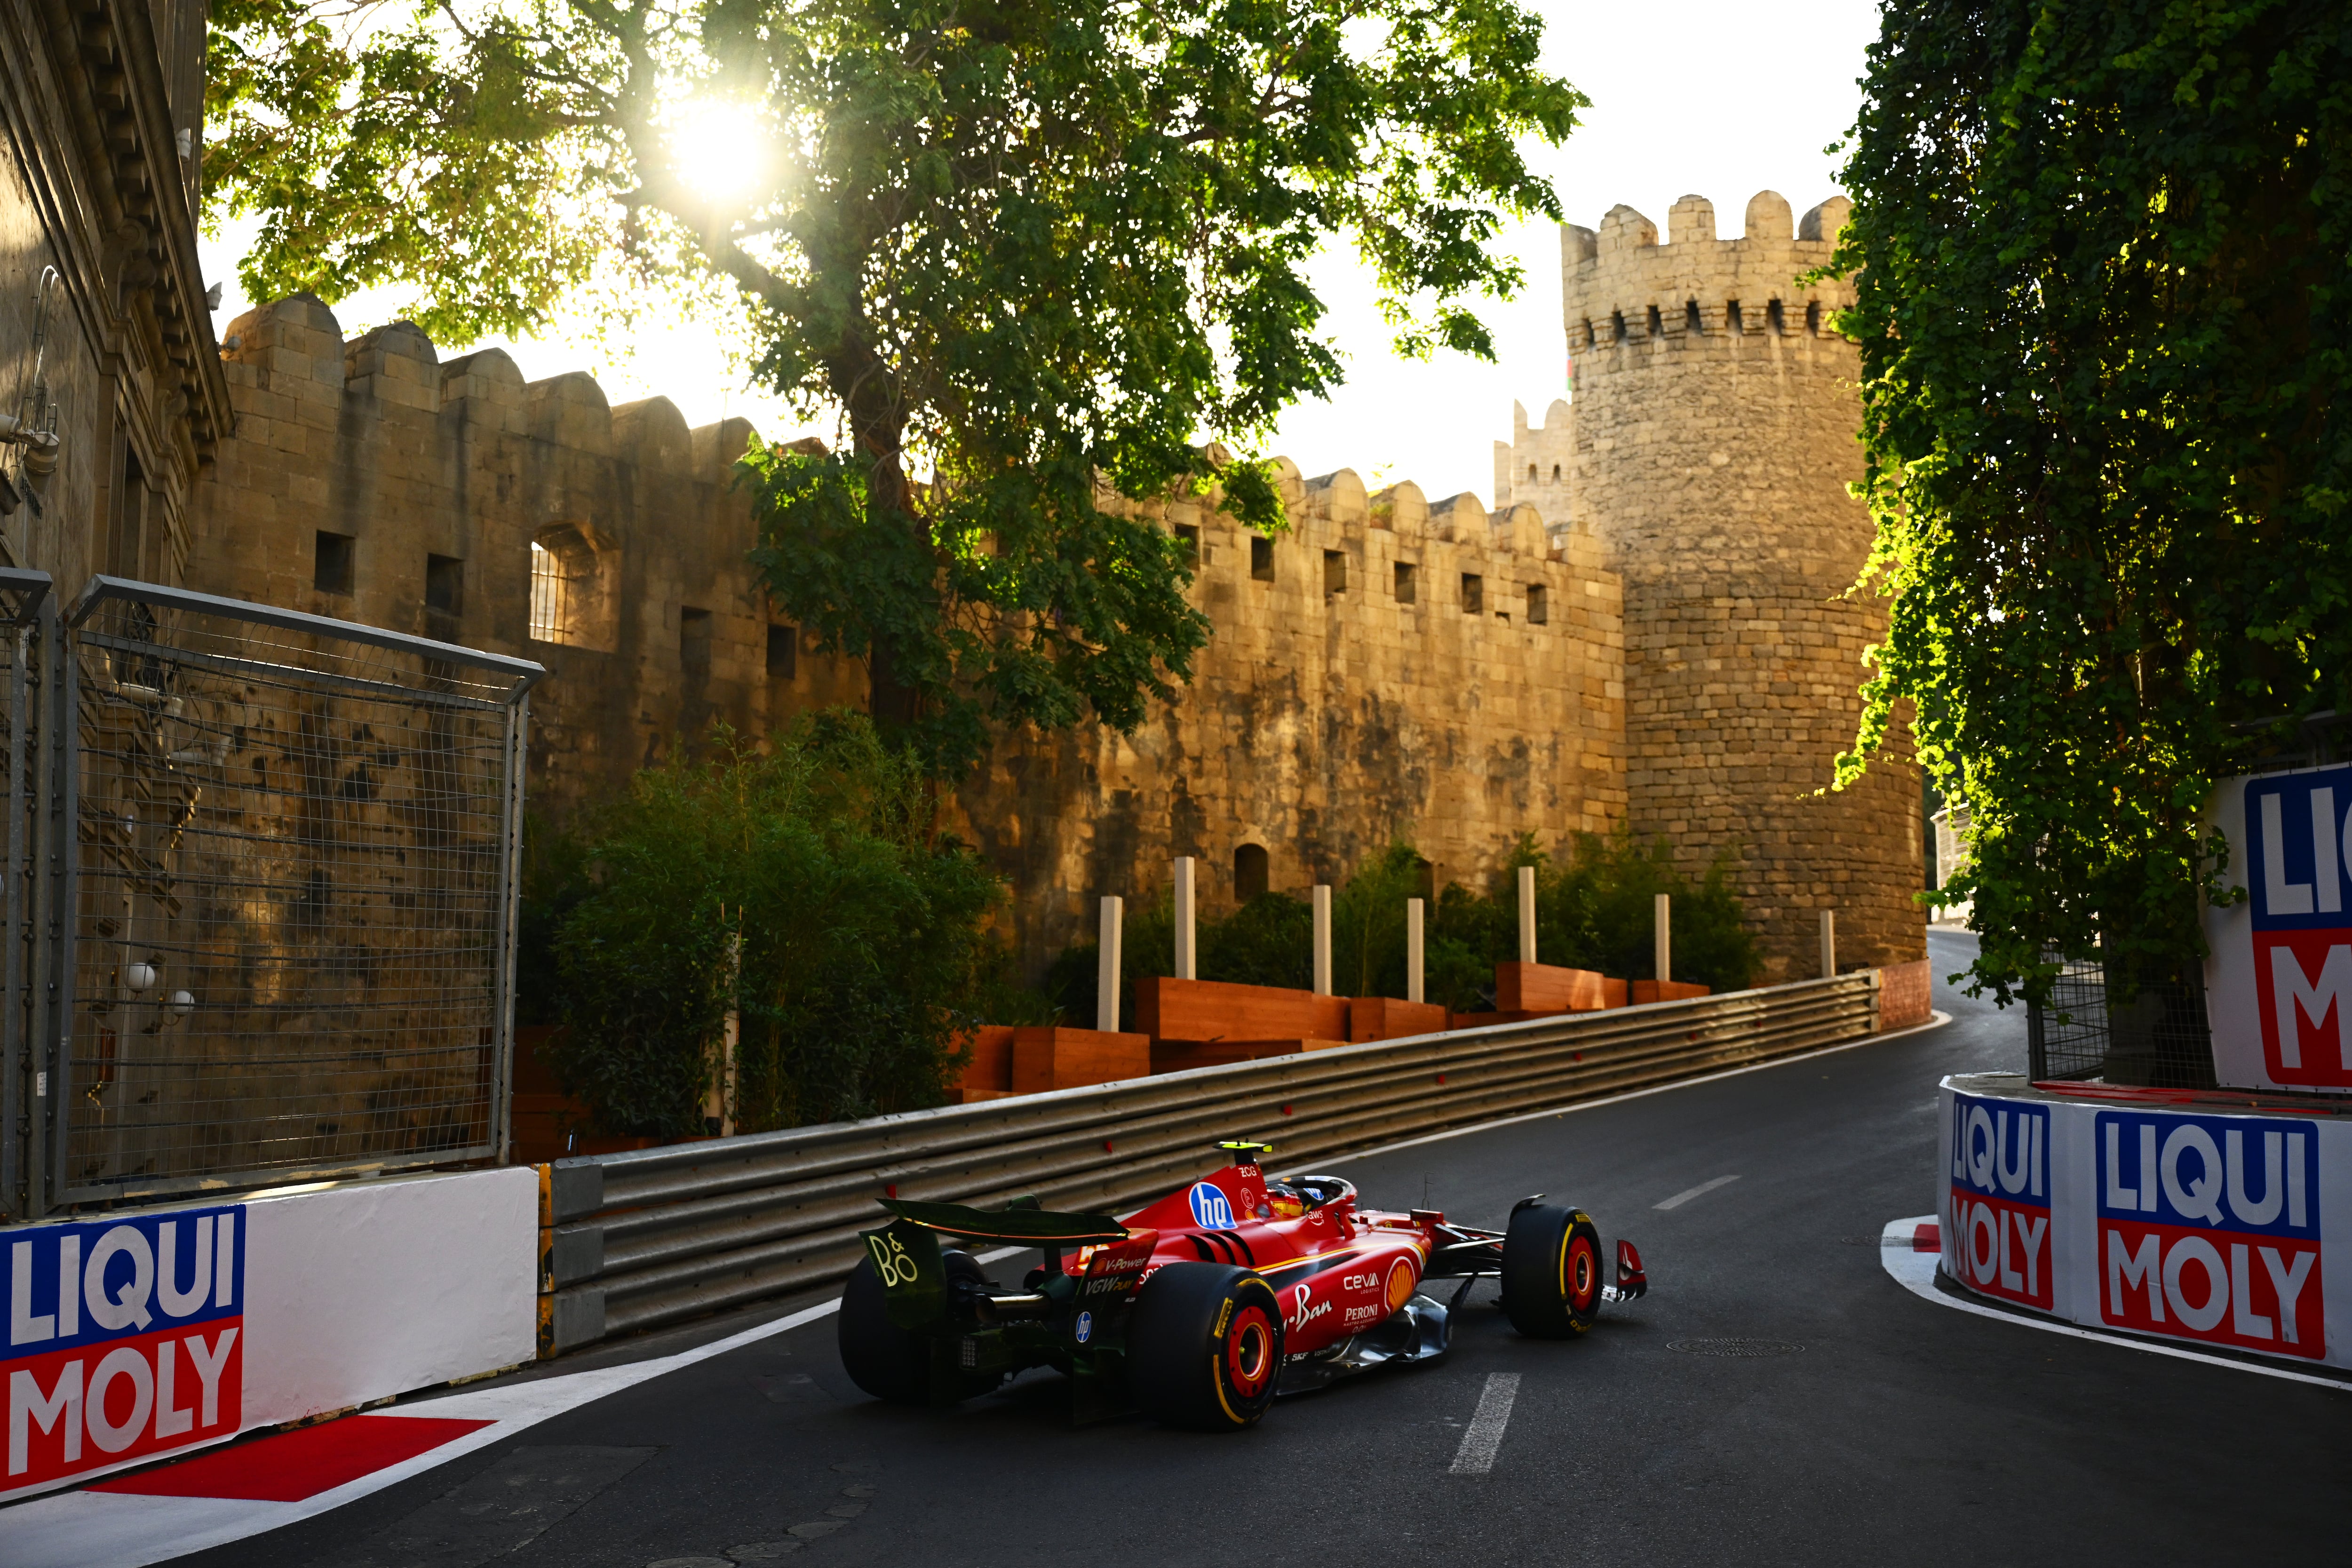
(149, 1333)
(2152, 1212)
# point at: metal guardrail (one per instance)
(632, 1241)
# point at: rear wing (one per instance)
(1033, 1226)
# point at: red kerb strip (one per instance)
(291, 1466)
(1928, 1238)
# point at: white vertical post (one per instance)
(1661, 914)
(1829, 944)
(1322, 939)
(1107, 976)
(1188, 954)
(1412, 949)
(1526, 914)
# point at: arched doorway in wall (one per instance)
(1249, 872)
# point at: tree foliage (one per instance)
(2103, 269)
(865, 948)
(1033, 257)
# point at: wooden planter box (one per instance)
(1175, 1056)
(989, 1074)
(1386, 1018)
(1666, 991)
(1204, 1010)
(1045, 1059)
(1540, 988)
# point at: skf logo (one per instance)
(2297, 859)
(2209, 1229)
(1999, 1235)
(124, 1340)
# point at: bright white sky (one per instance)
(1714, 97)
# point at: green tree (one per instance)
(864, 946)
(2101, 252)
(1038, 258)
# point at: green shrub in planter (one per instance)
(864, 940)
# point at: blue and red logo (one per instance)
(1212, 1209)
(2299, 872)
(2209, 1229)
(124, 1340)
(1999, 1217)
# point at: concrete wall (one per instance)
(1715, 421)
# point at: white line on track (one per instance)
(1936, 1022)
(1476, 1455)
(1699, 1191)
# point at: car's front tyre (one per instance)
(1204, 1346)
(1551, 1271)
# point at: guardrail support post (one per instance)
(1188, 954)
(1107, 974)
(1322, 939)
(1662, 918)
(1412, 949)
(1829, 944)
(1526, 914)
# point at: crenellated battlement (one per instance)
(1623, 292)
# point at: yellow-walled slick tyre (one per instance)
(1551, 1271)
(1204, 1346)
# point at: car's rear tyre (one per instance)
(1552, 1272)
(1204, 1346)
(884, 1359)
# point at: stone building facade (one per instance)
(1647, 627)
(1712, 433)
(111, 396)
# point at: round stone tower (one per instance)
(1715, 417)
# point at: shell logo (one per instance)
(1402, 1280)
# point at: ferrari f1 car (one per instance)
(1205, 1306)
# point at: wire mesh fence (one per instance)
(2161, 1037)
(291, 886)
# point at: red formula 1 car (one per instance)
(1203, 1307)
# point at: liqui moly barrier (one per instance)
(2216, 1229)
(131, 1339)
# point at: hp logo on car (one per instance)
(1086, 1327)
(1210, 1209)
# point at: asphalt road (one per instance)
(1889, 1429)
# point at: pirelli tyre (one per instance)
(1204, 1346)
(1551, 1271)
(884, 1359)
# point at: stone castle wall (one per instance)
(1334, 708)
(1713, 431)
(1359, 686)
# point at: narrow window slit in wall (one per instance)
(1617, 326)
(1188, 540)
(1813, 319)
(784, 652)
(1774, 318)
(1474, 593)
(694, 639)
(1538, 605)
(1249, 872)
(1657, 323)
(331, 573)
(1405, 589)
(1335, 571)
(1693, 322)
(1261, 558)
(1731, 322)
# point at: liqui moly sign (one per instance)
(2209, 1229)
(2279, 974)
(124, 1340)
(1997, 1232)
